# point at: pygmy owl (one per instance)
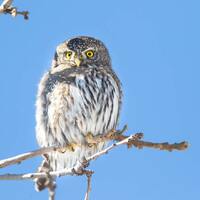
(80, 94)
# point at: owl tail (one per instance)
(44, 182)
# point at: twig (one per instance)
(161, 146)
(89, 177)
(52, 195)
(7, 8)
(19, 158)
(133, 140)
(52, 190)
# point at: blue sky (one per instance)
(155, 49)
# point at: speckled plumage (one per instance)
(73, 101)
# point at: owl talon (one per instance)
(69, 147)
(89, 137)
(72, 147)
(90, 140)
(62, 150)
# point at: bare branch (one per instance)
(7, 8)
(89, 177)
(19, 158)
(161, 146)
(133, 140)
(52, 189)
(35, 175)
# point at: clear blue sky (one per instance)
(155, 49)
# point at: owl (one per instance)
(80, 94)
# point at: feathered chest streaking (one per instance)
(77, 102)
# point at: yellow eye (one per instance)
(89, 53)
(68, 54)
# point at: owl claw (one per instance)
(62, 150)
(90, 140)
(69, 147)
(89, 137)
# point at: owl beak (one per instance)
(77, 61)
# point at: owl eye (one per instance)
(68, 54)
(89, 53)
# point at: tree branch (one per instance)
(89, 177)
(52, 191)
(19, 158)
(130, 141)
(79, 169)
(7, 8)
(133, 140)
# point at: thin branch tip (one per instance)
(7, 8)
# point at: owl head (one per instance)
(81, 51)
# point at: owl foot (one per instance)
(68, 147)
(90, 140)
